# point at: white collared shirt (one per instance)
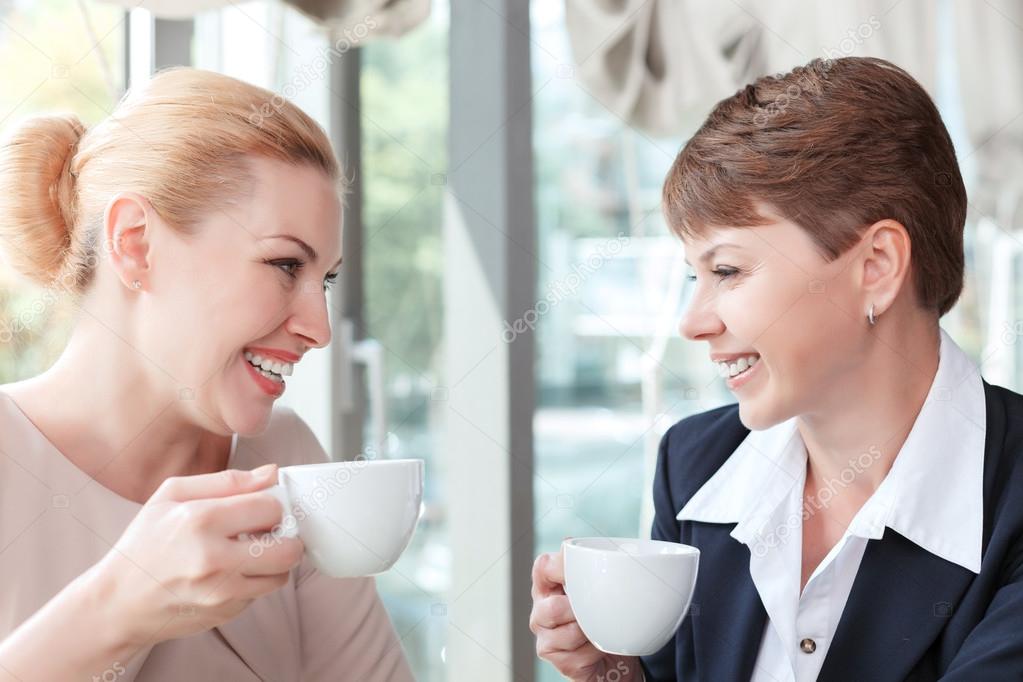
(932, 495)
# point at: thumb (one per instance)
(217, 484)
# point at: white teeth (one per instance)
(270, 368)
(271, 376)
(726, 369)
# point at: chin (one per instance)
(755, 419)
(250, 421)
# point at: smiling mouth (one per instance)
(272, 385)
(274, 370)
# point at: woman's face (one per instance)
(244, 282)
(771, 294)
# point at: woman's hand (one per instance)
(180, 568)
(559, 639)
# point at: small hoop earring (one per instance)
(136, 284)
(870, 316)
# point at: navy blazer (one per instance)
(910, 616)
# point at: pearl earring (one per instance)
(136, 284)
(870, 316)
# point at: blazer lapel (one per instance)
(900, 601)
(729, 618)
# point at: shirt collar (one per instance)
(933, 494)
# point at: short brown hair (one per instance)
(833, 146)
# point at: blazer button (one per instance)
(808, 646)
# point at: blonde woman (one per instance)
(193, 237)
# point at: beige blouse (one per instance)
(56, 521)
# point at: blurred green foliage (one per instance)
(404, 127)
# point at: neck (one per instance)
(101, 407)
(863, 421)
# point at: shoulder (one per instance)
(1003, 473)
(1005, 406)
(286, 440)
(1004, 432)
(694, 448)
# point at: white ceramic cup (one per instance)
(355, 518)
(629, 596)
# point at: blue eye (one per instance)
(291, 267)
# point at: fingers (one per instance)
(555, 627)
(565, 639)
(575, 664)
(552, 612)
(266, 554)
(216, 484)
(243, 513)
(548, 575)
(559, 639)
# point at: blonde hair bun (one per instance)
(182, 139)
(37, 194)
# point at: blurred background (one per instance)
(510, 297)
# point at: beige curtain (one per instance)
(392, 17)
(660, 64)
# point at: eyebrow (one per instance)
(310, 251)
(709, 253)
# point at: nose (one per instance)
(700, 320)
(310, 319)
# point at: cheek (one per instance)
(256, 309)
(760, 307)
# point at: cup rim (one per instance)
(676, 548)
(350, 462)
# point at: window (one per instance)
(404, 115)
(60, 55)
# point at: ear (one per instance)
(886, 254)
(127, 235)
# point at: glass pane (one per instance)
(612, 276)
(58, 56)
(404, 135)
